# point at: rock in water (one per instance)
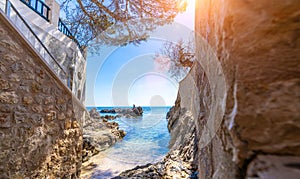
(125, 112)
(94, 113)
(139, 111)
(108, 111)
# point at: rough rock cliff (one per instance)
(248, 117)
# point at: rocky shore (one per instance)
(180, 161)
(99, 133)
(177, 164)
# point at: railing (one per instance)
(43, 10)
(64, 29)
(14, 16)
(39, 7)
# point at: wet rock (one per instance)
(112, 125)
(171, 167)
(88, 150)
(125, 112)
(108, 111)
(138, 111)
(104, 120)
(99, 135)
(94, 113)
(122, 133)
(108, 117)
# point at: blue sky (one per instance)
(122, 76)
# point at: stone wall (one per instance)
(248, 83)
(40, 119)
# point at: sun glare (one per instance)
(187, 15)
(183, 5)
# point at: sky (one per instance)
(127, 75)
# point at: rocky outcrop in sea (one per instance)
(125, 112)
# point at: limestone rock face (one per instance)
(271, 166)
(248, 54)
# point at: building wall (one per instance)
(64, 50)
(40, 119)
(248, 58)
(67, 57)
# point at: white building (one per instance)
(39, 23)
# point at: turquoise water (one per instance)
(147, 137)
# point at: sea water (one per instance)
(147, 137)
